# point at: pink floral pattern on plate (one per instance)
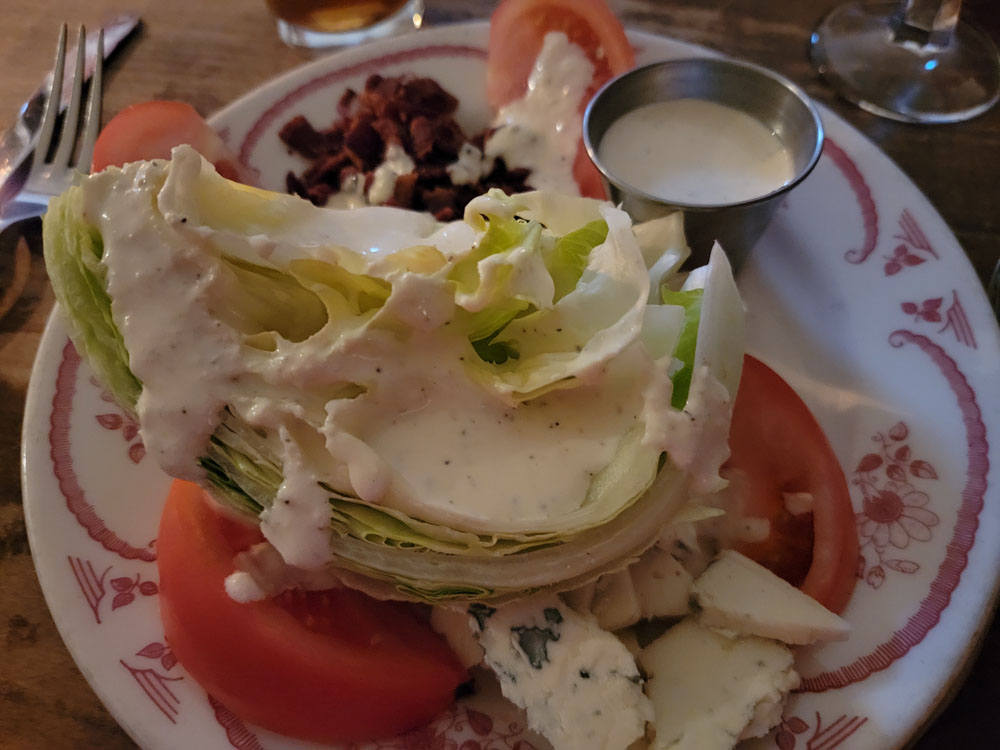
(60, 453)
(862, 194)
(94, 587)
(119, 420)
(914, 248)
(156, 684)
(953, 319)
(882, 516)
(894, 511)
(828, 737)
(917, 521)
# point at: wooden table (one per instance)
(208, 53)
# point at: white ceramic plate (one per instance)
(858, 294)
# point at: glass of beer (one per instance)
(315, 24)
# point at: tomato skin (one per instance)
(517, 30)
(588, 178)
(778, 447)
(149, 130)
(333, 666)
(518, 27)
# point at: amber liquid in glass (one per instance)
(333, 16)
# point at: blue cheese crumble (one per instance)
(710, 690)
(578, 684)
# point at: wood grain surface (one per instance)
(208, 53)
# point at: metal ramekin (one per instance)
(776, 102)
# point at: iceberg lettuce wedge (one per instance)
(319, 370)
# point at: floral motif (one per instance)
(954, 317)
(901, 258)
(156, 686)
(118, 421)
(784, 738)
(914, 248)
(125, 589)
(958, 323)
(91, 584)
(894, 511)
(61, 445)
(160, 651)
(929, 310)
(94, 589)
(829, 737)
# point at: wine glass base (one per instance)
(855, 49)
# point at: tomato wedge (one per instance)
(149, 130)
(778, 449)
(331, 666)
(518, 27)
(517, 30)
(586, 175)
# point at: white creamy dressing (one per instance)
(697, 437)
(298, 523)
(261, 573)
(477, 459)
(470, 166)
(351, 195)
(395, 164)
(696, 152)
(162, 287)
(415, 429)
(541, 131)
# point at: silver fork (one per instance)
(50, 177)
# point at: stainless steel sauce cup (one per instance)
(772, 100)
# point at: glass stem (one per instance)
(927, 22)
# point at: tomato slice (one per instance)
(149, 130)
(331, 666)
(777, 449)
(588, 178)
(518, 27)
(517, 30)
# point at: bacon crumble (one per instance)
(415, 113)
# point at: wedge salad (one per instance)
(409, 384)
(523, 443)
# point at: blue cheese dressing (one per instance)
(696, 152)
(541, 131)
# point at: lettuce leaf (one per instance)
(591, 323)
(532, 293)
(73, 250)
(568, 259)
(690, 300)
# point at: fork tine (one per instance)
(51, 103)
(92, 118)
(67, 138)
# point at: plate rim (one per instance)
(280, 82)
